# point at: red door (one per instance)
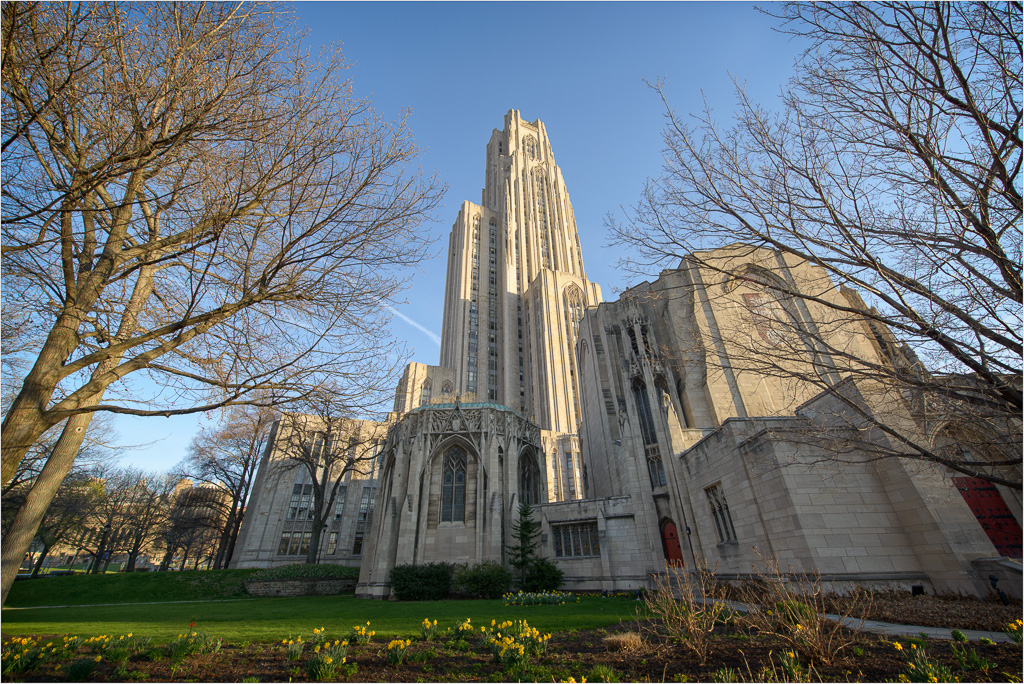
(670, 543)
(992, 512)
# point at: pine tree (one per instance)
(526, 533)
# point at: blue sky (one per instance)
(577, 66)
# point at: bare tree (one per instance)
(116, 494)
(194, 524)
(189, 195)
(324, 445)
(227, 458)
(66, 517)
(150, 505)
(892, 166)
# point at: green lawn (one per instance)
(129, 587)
(270, 619)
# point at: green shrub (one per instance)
(483, 580)
(429, 582)
(603, 673)
(80, 670)
(306, 571)
(793, 612)
(542, 575)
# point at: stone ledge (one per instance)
(303, 586)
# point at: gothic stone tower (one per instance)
(516, 292)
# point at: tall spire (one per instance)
(516, 287)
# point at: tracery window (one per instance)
(425, 393)
(530, 147)
(453, 486)
(643, 406)
(528, 479)
(720, 512)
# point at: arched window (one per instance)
(425, 393)
(453, 486)
(529, 476)
(530, 147)
(447, 389)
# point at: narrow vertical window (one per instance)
(453, 486)
(720, 513)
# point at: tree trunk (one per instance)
(133, 554)
(222, 544)
(233, 539)
(39, 563)
(166, 562)
(314, 542)
(184, 559)
(26, 520)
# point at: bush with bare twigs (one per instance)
(794, 611)
(685, 607)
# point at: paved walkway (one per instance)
(893, 629)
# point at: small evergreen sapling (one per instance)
(526, 533)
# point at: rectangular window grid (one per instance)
(576, 540)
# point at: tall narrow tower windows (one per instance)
(474, 312)
(572, 301)
(492, 313)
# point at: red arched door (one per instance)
(670, 543)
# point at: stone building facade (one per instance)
(703, 400)
(278, 525)
(684, 422)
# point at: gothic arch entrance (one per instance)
(670, 543)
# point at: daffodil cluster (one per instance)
(21, 654)
(1013, 631)
(327, 658)
(396, 651)
(191, 642)
(294, 648)
(466, 628)
(428, 629)
(512, 642)
(362, 634)
(919, 668)
(790, 664)
(538, 598)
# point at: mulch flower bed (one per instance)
(734, 656)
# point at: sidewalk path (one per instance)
(893, 629)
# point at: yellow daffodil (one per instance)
(898, 646)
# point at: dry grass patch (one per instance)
(628, 642)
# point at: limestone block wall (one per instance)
(628, 555)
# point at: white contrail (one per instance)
(434, 337)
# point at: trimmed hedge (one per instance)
(429, 582)
(306, 571)
(483, 580)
